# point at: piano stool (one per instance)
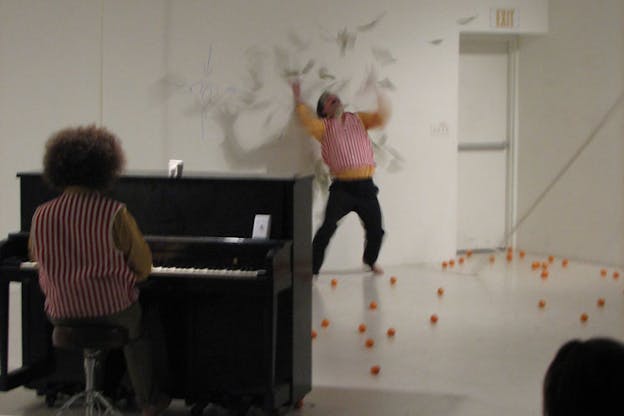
(93, 340)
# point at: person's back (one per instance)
(585, 378)
(81, 272)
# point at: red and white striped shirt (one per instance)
(345, 144)
(81, 272)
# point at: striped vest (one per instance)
(345, 144)
(81, 272)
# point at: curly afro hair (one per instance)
(86, 156)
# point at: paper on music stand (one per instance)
(175, 168)
(262, 226)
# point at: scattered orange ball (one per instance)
(509, 256)
(375, 370)
(564, 262)
(616, 275)
(325, 323)
(391, 332)
(369, 343)
(544, 274)
(433, 318)
(522, 254)
(393, 280)
(492, 259)
(551, 259)
(584, 317)
(601, 302)
(603, 272)
(334, 282)
(452, 263)
(362, 328)
(314, 334)
(444, 265)
(461, 260)
(440, 291)
(373, 305)
(468, 253)
(535, 265)
(542, 304)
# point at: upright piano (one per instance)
(235, 310)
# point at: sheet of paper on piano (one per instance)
(262, 226)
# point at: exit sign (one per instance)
(504, 18)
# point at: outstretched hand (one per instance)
(296, 89)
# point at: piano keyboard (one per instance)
(184, 271)
(224, 273)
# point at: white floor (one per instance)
(486, 355)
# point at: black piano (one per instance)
(235, 310)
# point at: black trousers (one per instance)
(346, 196)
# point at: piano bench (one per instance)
(92, 340)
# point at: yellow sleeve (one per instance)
(371, 120)
(130, 241)
(311, 123)
(378, 118)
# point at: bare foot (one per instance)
(376, 269)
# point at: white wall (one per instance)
(173, 80)
(568, 82)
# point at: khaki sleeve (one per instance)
(310, 122)
(130, 241)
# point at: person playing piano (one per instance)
(91, 253)
(347, 150)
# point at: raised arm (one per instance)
(378, 118)
(313, 125)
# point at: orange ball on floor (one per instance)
(375, 370)
(584, 317)
(334, 282)
(440, 291)
(391, 332)
(369, 343)
(325, 323)
(601, 302)
(362, 328)
(433, 318)
(542, 303)
(393, 280)
(373, 305)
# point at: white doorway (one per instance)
(486, 141)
